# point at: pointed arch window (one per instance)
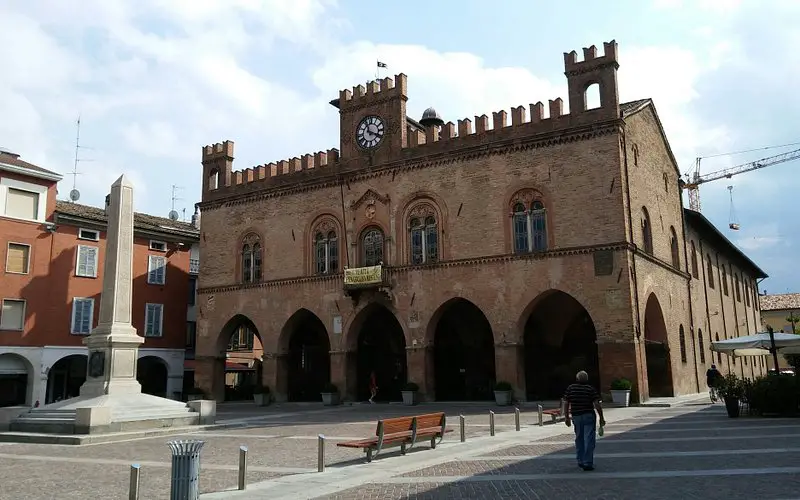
(682, 343)
(251, 259)
(326, 252)
(737, 289)
(529, 226)
(709, 271)
(673, 246)
(372, 242)
(424, 240)
(724, 280)
(701, 346)
(695, 271)
(647, 232)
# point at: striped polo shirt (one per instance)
(581, 398)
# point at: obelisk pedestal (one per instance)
(114, 345)
(111, 399)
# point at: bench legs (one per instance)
(403, 449)
(368, 451)
(433, 443)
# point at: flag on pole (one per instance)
(381, 64)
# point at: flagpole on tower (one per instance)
(378, 69)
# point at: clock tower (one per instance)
(373, 122)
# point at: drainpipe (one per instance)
(689, 289)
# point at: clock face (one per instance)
(370, 132)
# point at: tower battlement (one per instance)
(221, 179)
(376, 90)
(590, 59)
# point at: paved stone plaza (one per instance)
(688, 451)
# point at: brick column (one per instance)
(275, 375)
(419, 364)
(509, 361)
(340, 374)
(209, 375)
(623, 359)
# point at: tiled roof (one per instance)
(709, 230)
(141, 221)
(14, 161)
(779, 301)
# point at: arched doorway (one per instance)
(309, 364)
(152, 373)
(560, 340)
(656, 346)
(463, 353)
(381, 348)
(66, 377)
(244, 350)
(15, 376)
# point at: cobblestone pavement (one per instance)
(687, 452)
(281, 441)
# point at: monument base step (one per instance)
(108, 437)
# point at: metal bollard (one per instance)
(133, 491)
(516, 418)
(185, 469)
(541, 415)
(320, 453)
(491, 423)
(242, 467)
(462, 424)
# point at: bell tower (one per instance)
(373, 121)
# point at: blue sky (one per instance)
(154, 80)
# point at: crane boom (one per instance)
(693, 185)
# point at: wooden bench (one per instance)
(404, 432)
(554, 413)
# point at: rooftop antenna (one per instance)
(173, 214)
(74, 194)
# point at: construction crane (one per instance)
(695, 179)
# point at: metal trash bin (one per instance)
(185, 469)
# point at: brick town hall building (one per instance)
(460, 255)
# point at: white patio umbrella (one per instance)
(760, 344)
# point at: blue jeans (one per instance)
(585, 426)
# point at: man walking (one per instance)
(713, 376)
(580, 402)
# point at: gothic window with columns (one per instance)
(423, 235)
(528, 222)
(251, 259)
(647, 231)
(372, 241)
(326, 247)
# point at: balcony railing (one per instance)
(194, 266)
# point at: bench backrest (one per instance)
(430, 421)
(394, 425)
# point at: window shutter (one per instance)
(22, 204)
(17, 259)
(156, 273)
(161, 270)
(76, 316)
(86, 316)
(148, 328)
(159, 311)
(91, 261)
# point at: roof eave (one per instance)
(164, 234)
(48, 176)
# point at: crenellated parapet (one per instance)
(535, 118)
(375, 91)
(222, 180)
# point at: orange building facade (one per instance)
(53, 254)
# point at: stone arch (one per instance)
(527, 195)
(17, 379)
(152, 373)
(463, 352)
(239, 367)
(304, 351)
(591, 93)
(213, 179)
(657, 353)
(324, 222)
(376, 342)
(560, 339)
(65, 377)
(421, 206)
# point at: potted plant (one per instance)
(261, 395)
(502, 393)
(196, 393)
(731, 391)
(410, 391)
(621, 391)
(330, 395)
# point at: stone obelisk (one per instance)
(114, 345)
